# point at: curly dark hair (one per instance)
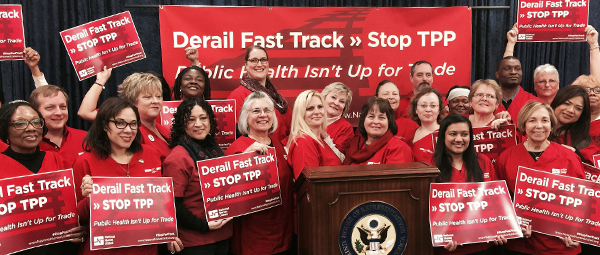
(443, 159)
(181, 117)
(97, 140)
(177, 87)
(6, 113)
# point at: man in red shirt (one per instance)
(52, 101)
(509, 76)
(421, 75)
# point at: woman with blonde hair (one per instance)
(308, 129)
(337, 99)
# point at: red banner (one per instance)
(558, 205)
(112, 41)
(491, 142)
(12, 35)
(131, 211)
(36, 210)
(224, 113)
(551, 21)
(471, 212)
(310, 47)
(239, 184)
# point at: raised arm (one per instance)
(191, 53)
(511, 35)
(592, 39)
(32, 58)
(87, 110)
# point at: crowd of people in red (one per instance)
(558, 129)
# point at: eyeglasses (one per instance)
(596, 90)
(432, 106)
(255, 61)
(120, 124)
(259, 111)
(481, 95)
(23, 124)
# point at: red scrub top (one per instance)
(395, 151)
(406, 130)
(268, 231)
(423, 149)
(145, 163)
(152, 139)
(306, 151)
(555, 157)
(340, 132)
(518, 102)
(3, 146)
(70, 148)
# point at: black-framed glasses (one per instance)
(255, 61)
(596, 90)
(23, 124)
(121, 124)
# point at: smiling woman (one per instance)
(192, 82)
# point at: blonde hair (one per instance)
(339, 88)
(138, 83)
(490, 83)
(299, 126)
(528, 109)
(587, 81)
(243, 126)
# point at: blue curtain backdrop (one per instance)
(45, 19)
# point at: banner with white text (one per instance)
(131, 211)
(310, 47)
(558, 205)
(36, 210)
(239, 184)
(112, 41)
(471, 213)
(552, 21)
(12, 34)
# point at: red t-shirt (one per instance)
(268, 231)
(395, 151)
(340, 132)
(406, 130)
(150, 138)
(423, 149)
(284, 121)
(554, 157)
(3, 146)
(186, 184)
(12, 168)
(305, 151)
(70, 148)
(404, 106)
(518, 102)
(145, 163)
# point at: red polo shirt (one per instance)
(70, 148)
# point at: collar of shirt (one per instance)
(513, 97)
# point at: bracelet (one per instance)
(593, 48)
(95, 83)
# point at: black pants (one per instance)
(218, 248)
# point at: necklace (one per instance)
(536, 155)
(121, 165)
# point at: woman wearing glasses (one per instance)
(193, 140)
(22, 127)
(257, 79)
(113, 148)
(268, 231)
(425, 109)
(484, 97)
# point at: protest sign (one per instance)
(310, 47)
(112, 41)
(491, 142)
(551, 21)
(239, 184)
(12, 34)
(131, 211)
(471, 213)
(558, 205)
(596, 159)
(36, 210)
(224, 113)
(591, 172)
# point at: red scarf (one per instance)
(358, 152)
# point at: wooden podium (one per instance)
(326, 195)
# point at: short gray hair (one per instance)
(546, 68)
(243, 126)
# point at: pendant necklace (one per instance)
(121, 165)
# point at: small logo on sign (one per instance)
(98, 240)
(438, 238)
(213, 214)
